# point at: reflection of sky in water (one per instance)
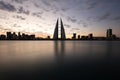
(58, 59)
(49, 52)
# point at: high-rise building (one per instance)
(19, 36)
(78, 36)
(90, 36)
(63, 36)
(9, 35)
(14, 36)
(74, 36)
(56, 31)
(2, 37)
(55, 35)
(48, 37)
(109, 33)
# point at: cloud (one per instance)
(72, 19)
(21, 10)
(105, 16)
(64, 9)
(46, 2)
(16, 25)
(37, 14)
(83, 23)
(67, 25)
(19, 17)
(19, 1)
(75, 29)
(4, 29)
(3, 17)
(36, 5)
(7, 6)
(92, 5)
(116, 18)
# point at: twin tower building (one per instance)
(59, 30)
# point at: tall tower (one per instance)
(55, 36)
(63, 37)
(62, 31)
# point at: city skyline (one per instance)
(79, 16)
(59, 34)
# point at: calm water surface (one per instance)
(21, 60)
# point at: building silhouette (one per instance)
(74, 36)
(56, 31)
(90, 36)
(55, 35)
(9, 35)
(78, 36)
(109, 33)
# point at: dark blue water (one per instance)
(53, 60)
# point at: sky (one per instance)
(79, 16)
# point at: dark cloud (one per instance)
(7, 6)
(105, 16)
(64, 9)
(38, 14)
(19, 1)
(44, 8)
(67, 25)
(85, 25)
(36, 5)
(46, 2)
(92, 5)
(16, 25)
(116, 18)
(22, 10)
(19, 17)
(72, 19)
(55, 9)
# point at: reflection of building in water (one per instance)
(109, 51)
(59, 50)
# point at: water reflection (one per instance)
(60, 59)
(109, 50)
(59, 50)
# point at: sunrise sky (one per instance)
(80, 16)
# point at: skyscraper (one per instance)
(56, 31)
(63, 36)
(55, 35)
(9, 35)
(74, 36)
(109, 33)
(90, 36)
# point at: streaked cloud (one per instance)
(104, 17)
(7, 6)
(72, 19)
(67, 25)
(37, 14)
(16, 25)
(22, 10)
(19, 1)
(92, 5)
(116, 18)
(19, 17)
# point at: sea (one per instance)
(59, 60)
